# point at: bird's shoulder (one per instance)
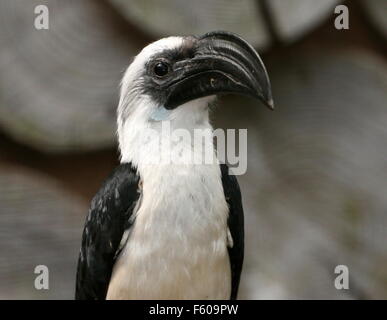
(119, 190)
(230, 184)
(112, 207)
(108, 218)
(233, 197)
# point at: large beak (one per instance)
(222, 63)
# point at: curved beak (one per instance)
(222, 63)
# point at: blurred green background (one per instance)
(315, 192)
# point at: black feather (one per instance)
(236, 226)
(108, 218)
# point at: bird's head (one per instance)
(175, 79)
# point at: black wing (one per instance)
(108, 218)
(236, 226)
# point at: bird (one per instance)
(164, 230)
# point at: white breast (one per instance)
(177, 248)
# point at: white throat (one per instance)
(144, 138)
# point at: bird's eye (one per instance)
(161, 69)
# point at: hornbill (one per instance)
(165, 230)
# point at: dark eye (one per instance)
(161, 69)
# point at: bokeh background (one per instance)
(315, 193)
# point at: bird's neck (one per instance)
(185, 138)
